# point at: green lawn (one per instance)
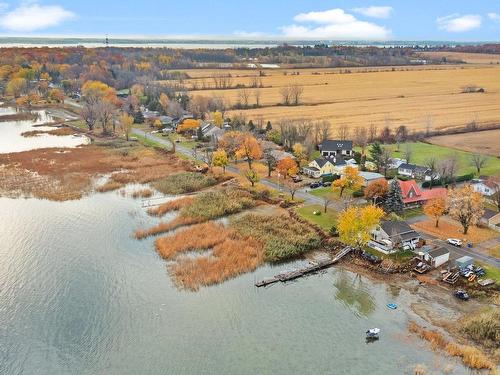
(324, 221)
(322, 191)
(491, 272)
(402, 256)
(422, 151)
(412, 212)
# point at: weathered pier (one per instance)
(295, 274)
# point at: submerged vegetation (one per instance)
(283, 236)
(182, 183)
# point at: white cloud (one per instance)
(31, 16)
(494, 16)
(375, 12)
(456, 23)
(249, 34)
(3, 7)
(333, 24)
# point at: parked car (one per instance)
(461, 294)
(454, 241)
(327, 183)
(314, 185)
(296, 179)
(371, 258)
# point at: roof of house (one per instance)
(314, 169)
(280, 154)
(438, 252)
(413, 167)
(397, 228)
(321, 162)
(407, 186)
(488, 214)
(333, 145)
(420, 194)
(369, 176)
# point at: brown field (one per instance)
(394, 97)
(469, 58)
(449, 228)
(484, 142)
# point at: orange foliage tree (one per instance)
(287, 167)
(435, 208)
(249, 148)
(466, 206)
(376, 189)
(188, 125)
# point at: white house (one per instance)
(390, 236)
(486, 188)
(437, 257)
(336, 150)
(319, 167)
(412, 170)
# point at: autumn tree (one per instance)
(287, 167)
(300, 153)
(16, 86)
(252, 176)
(356, 223)
(343, 132)
(478, 161)
(376, 190)
(292, 187)
(188, 125)
(220, 159)
(164, 102)
(56, 95)
(271, 161)
(230, 142)
(285, 95)
(466, 206)
(126, 121)
(350, 180)
(394, 198)
(249, 149)
(435, 208)
(217, 119)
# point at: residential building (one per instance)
(413, 171)
(490, 219)
(413, 195)
(319, 167)
(394, 163)
(486, 187)
(338, 151)
(369, 177)
(390, 236)
(437, 257)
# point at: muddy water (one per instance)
(78, 295)
(12, 141)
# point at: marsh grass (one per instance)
(483, 327)
(109, 186)
(186, 182)
(283, 236)
(232, 254)
(174, 205)
(178, 222)
(142, 193)
(62, 131)
(471, 357)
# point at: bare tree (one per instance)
(408, 153)
(256, 94)
(174, 109)
(296, 92)
(105, 111)
(478, 160)
(327, 199)
(447, 168)
(90, 114)
(244, 96)
(304, 129)
(361, 138)
(285, 95)
(385, 159)
(372, 132)
(343, 132)
(292, 187)
(431, 163)
(429, 125)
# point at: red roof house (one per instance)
(413, 194)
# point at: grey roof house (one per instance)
(391, 236)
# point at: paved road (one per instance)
(301, 194)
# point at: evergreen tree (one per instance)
(269, 127)
(375, 154)
(251, 126)
(394, 199)
(199, 134)
(138, 117)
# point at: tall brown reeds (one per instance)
(471, 357)
(142, 193)
(166, 227)
(109, 186)
(174, 205)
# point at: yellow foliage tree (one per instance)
(220, 159)
(56, 95)
(217, 119)
(287, 167)
(435, 208)
(249, 148)
(299, 152)
(356, 223)
(92, 90)
(164, 101)
(126, 121)
(188, 125)
(157, 124)
(16, 86)
(350, 180)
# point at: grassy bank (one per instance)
(324, 220)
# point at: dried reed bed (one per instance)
(182, 183)
(62, 131)
(483, 327)
(232, 255)
(471, 357)
(20, 116)
(109, 186)
(178, 222)
(174, 205)
(142, 193)
(65, 174)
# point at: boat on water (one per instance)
(372, 334)
(392, 306)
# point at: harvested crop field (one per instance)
(400, 97)
(469, 58)
(484, 142)
(65, 174)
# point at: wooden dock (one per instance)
(295, 274)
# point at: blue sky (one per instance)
(459, 20)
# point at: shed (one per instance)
(464, 261)
(437, 257)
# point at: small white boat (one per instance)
(373, 333)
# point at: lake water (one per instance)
(79, 295)
(11, 139)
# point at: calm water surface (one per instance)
(79, 295)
